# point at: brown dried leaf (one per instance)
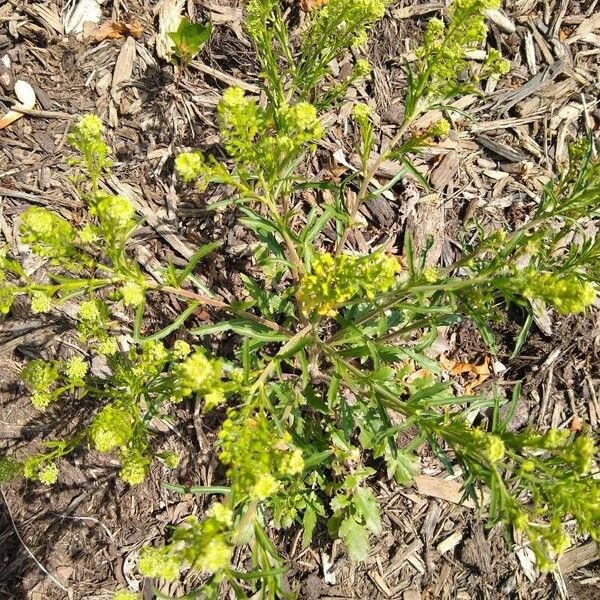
(114, 30)
(481, 372)
(308, 5)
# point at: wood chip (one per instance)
(169, 16)
(446, 489)
(123, 68)
(450, 542)
(578, 557)
(500, 20)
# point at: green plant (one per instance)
(188, 40)
(321, 381)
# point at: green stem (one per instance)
(208, 301)
(367, 180)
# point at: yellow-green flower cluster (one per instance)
(201, 374)
(568, 294)
(87, 138)
(495, 64)
(48, 379)
(207, 546)
(148, 360)
(579, 452)
(441, 128)
(194, 166)
(48, 474)
(203, 545)
(40, 377)
(8, 292)
(441, 58)
(76, 369)
(361, 112)
(246, 130)
(40, 302)
(362, 68)
(257, 15)
(50, 236)
(160, 563)
(548, 542)
(240, 120)
(7, 297)
(558, 486)
(126, 595)
(256, 455)
(134, 466)
(38, 470)
(258, 140)
(133, 293)
(490, 445)
(93, 326)
(112, 428)
(115, 215)
(170, 459)
(333, 281)
(346, 21)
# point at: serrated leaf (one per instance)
(339, 502)
(356, 538)
(402, 466)
(367, 507)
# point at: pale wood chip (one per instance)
(417, 10)
(578, 557)
(450, 542)
(169, 16)
(500, 20)
(446, 489)
(586, 27)
(48, 16)
(123, 68)
(228, 79)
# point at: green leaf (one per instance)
(176, 324)
(241, 326)
(309, 522)
(195, 259)
(402, 466)
(189, 39)
(198, 489)
(356, 538)
(367, 507)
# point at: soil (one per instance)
(81, 539)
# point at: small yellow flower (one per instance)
(40, 302)
(133, 294)
(76, 368)
(296, 462)
(216, 556)
(221, 513)
(181, 349)
(48, 474)
(266, 486)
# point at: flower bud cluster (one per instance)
(204, 545)
(568, 294)
(256, 455)
(441, 57)
(334, 281)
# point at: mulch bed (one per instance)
(80, 539)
